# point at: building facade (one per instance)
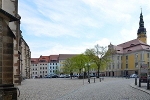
(53, 65)
(48, 65)
(129, 56)
(11, 6)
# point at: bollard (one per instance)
(94, 79)
(147, 83)
(139, 82)
(100, 79)
(135, 81)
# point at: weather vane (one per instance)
(141, 9)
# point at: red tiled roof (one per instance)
(44, 59)
(53, 58)
(34, 60)
(130, 46)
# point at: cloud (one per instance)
(73, 26)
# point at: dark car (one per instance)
(54, 76)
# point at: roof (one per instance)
(131, 46)
(66, 56)
(6, 14)
(44, 59)
(34, 60)
(53, 58)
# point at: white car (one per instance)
(133, 76)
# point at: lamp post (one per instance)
(88, 66)
(83, 74)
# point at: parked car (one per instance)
(133, 76)
(62, 76)
(54, 76)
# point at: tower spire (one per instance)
(141, 25)
(141, 34)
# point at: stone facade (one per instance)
(26, 60)
(11, 6)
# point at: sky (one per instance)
(71, 26)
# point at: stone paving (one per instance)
(74, 89)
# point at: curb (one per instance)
(139, 88)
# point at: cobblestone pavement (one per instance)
(67, 89)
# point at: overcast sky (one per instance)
(72, 26)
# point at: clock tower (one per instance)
(141, 34)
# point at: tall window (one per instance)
(126, 66)
(118, 65)
(148, 64)
(126, 57)
(113, 66)
(118, 57)
(136, 65)
(147, 55)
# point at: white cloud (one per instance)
(92, 21)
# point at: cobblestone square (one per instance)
(74, 89)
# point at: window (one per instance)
(136, 65)
(126, 57)
(43, 67)
(53, 67)
(148, 64)
(118, 57)
(141, 55)
(53, 63)
(33, 68)
(40, 67)
(56, 67)
(126, 66)
(113, 66)
(118, 65)
(45, 64)
(50, 67)
(147, 55)
(40, 72)
(33, 72)
(56, 63)
(43, 71)
(50, 63)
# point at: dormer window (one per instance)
(129, 50)
(132, 44)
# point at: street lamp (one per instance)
(88, 66)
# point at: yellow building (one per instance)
(130, 55)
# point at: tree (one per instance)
(68, 66)
(99, 56)
(79, 62)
